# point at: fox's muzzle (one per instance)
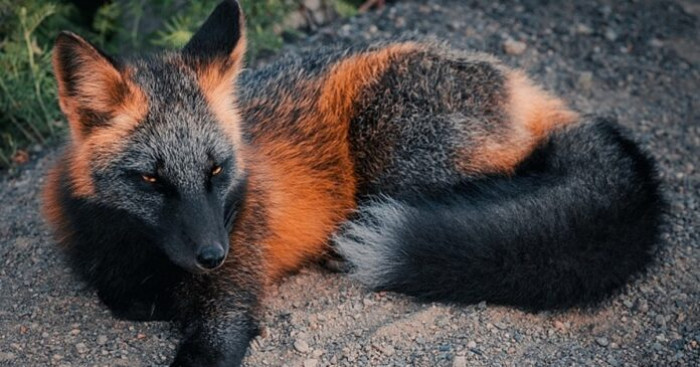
(202, 239)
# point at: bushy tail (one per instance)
(575, 222)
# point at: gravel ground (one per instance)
(637, 60)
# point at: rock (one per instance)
(459, 361)
(585, 80)
(6, 357)
(513, 47)
(559, 325)
(655, 42)
(81, 348)
(610, 35)
(101, 340)
(294, 20)
(603, 342)
(387, 350)
(660, 320)
(311, 363)
(471, 344)
(583, 29)
(312, 4)
(301, 346)
(644, 307)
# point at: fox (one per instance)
(189, 185)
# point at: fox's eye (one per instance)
(149, 178)
(216, 170)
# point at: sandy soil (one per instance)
(637, 60)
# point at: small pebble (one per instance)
(101, 340)
(513, 47)
(583, 29)
(6, 357)
(559, 325)
(585, 80)
(301, 346)
(603, 342)
(81, 348)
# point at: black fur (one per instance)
(137, 281)
(115, 258)
(426, 108)
(218, 36)
(579, 218)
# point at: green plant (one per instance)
(27, 87)
(29, 113)
(141, 25)
(345, 8)
(262, 22)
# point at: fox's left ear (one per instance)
(217, 49)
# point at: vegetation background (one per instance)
(29, 114)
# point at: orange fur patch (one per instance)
(51, 207)
(217, 81)
(100, 146)
(532, 107)
(306, 205)
(351, 75)
(96, 86)
(532, 115)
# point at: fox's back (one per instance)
(405, 117)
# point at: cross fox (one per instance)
(190, 185)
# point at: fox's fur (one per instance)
(438, 173)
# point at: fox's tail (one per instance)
(575, 222)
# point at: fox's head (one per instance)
(158, 138)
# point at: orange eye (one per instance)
(216, 170)
(149, 179)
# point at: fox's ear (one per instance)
(220, 42)
(215, 53)
(91, 89)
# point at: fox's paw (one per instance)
(195, 352)
(217, 342)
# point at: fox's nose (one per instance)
(209, 257)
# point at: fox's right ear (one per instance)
(215, 53)
(91, 88)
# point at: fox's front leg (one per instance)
(218, 321)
